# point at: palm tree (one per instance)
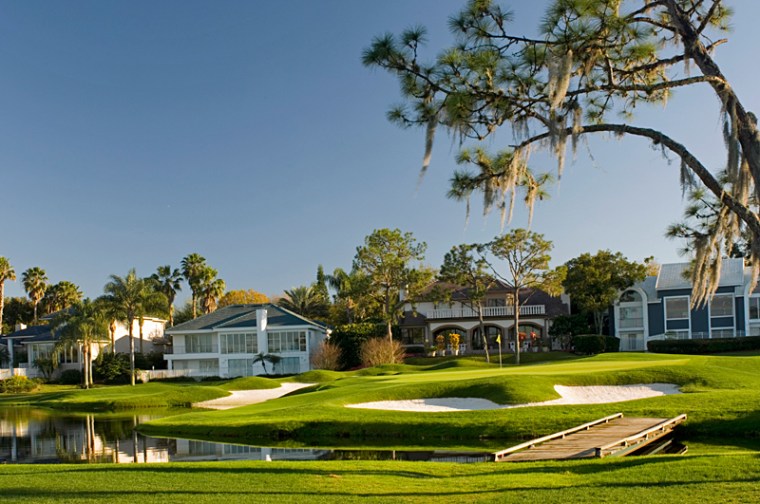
(127, 297)
(153, 303)
(193, 266)
(211, 289)
(168, 282)
(6, 273)
(264, 358)
(35, 283)
(81, 328)
(304, 300)
(60, 296)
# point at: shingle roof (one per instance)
(243, 316)
(672, 275)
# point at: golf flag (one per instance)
(498, 339)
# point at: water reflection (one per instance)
(35, 436)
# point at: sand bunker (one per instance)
(569, 395)
(245, 397)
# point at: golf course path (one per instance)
(245, 397)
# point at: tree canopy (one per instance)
(390, 261)
(591, 64)
(594, 282)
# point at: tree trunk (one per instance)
(141, 334)
(2, 304)
(482, 326)
(112, 329)
(195, 302)
(598, 319)
(131, 353)
(389, 327)
(516, 308)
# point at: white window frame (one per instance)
(755, 297)
(688, 309)
(724, 295)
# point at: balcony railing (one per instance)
(182, 349)
(489, 311)
(631, 322)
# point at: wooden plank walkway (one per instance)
(614, 435)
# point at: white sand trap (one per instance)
(245, 397)
(598, 394)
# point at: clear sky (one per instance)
(134, 133)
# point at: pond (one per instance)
(40, 436)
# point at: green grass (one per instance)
(721, 399)
(717, 477)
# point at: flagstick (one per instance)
(500, 352)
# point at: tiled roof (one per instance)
(243, 316)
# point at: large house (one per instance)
(39, 341)
(227, 342)
(660, 307)
(424, 321)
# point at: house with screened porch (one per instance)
(226, 342)
(660, 308)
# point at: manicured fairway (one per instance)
(728, 477)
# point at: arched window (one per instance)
(630, 296)
(492, 332)
(528, 333)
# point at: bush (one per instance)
(112, 368)
(326, 356)
(611, 344)
(378, 351)
(415, 350)
(17, 385)
(588, 344)
(70, 377)
(351, 337)
(705, 346)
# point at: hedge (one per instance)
(590, 344)
(704, 346)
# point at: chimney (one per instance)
(20, 326)
(261, 319)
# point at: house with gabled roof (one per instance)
(226, 342)
(660, 307)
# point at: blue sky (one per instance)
(134, 133)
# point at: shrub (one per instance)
(611, 344)
(112, 368)
(415, 350)
(70, 377)
(704, 346)
(351, 337)
(588, 344)
(326, 356)
(378, 351)
(17, 385)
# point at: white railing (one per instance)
(631, 323)
(182, 349)
(695, 335)
(161, 374)
(489, 311)
(28, 372)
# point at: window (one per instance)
(239, 367)
(722, 305)
(198, 343)
(631, 316)
(754, 307)
(288, 365)
(413, 335)
(287, 341)
(238, 343)
(722, 333)
(676, 308)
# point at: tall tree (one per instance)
(6, 273)
(526, 257)
(594, 282)
(387, 261)
(469, 272)
(242, 296)
(79, 329)
(349, 288)
(210, 289)
(168, 281)
(35, 283)
(60, 296)
(127, 296)
(320, 285)
(193, 269)
(592, 61)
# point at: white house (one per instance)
(226, 342)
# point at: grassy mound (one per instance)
(721, 399)
(250, 383)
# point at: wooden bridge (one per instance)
(609, 436)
